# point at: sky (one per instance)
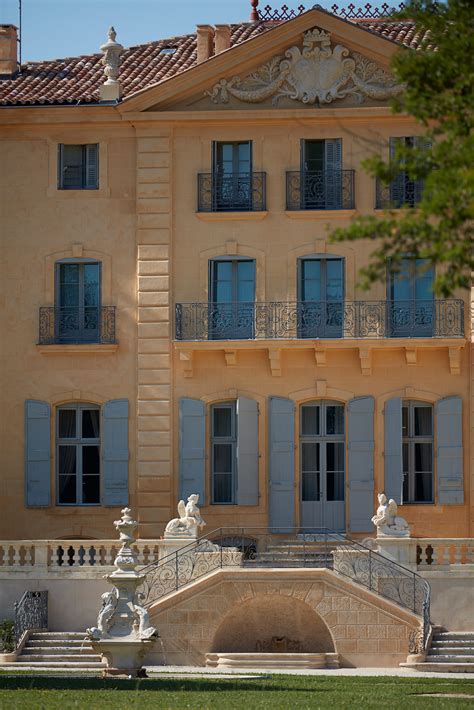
(67, 28)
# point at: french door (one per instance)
(77, 307)
(321, 298)
(322, 465)
(232, 289)
(411, 310)
(321, 174)
(232, 175)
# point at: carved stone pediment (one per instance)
(319, 73)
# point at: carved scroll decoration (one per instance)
(320, 73)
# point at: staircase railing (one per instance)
(31, 612)
(245, 547)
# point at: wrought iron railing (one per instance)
(235, 192)
(320, 319)
(279, 14)
(291, 547)
(76, 325)
(320, 190)
(31, 612)
(401, 192)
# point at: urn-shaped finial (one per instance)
(112, 50)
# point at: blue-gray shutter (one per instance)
(282, 463)
(192, 448)
(115, 452)
(92, 166)
(450, 453)
(393, 462)
(37, 454)
(333, 173)
(247, 451)
(397, 186)
(360, 445)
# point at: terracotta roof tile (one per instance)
(77, 79)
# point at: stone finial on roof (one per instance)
(111, 89)
(254, 16)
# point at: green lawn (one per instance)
(277, 691)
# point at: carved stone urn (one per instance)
(123, 635)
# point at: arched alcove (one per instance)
(272, 624)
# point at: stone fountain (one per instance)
(123, 634)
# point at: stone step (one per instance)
(71, 643)
(51, 635)
(452, 658)
(440, 667)
(47, 658)
(453, 635)
(451, 651)
(57, 664)
(28, 650)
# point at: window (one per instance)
(321, 174)
(404, 190)
(78, 454)
(232, 295)
(417, 448)
(223, 452)
(232, 175)
(77, 316)
(78, 167)
(321, 298)
(411, 305)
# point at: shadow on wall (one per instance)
(272, 624)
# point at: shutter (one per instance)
(361, 463)
(192, 448)
(37, 454)
(282, 463)
(393, 461)
(333, 173)
(450, 453)
(247, 451)
(424, 144)
(92, 166)
(115, 452)
(60, 165)
(397, 186)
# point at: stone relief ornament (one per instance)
(386, 520)
(319, 73)
(189, 520)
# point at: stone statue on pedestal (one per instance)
(189, 520)
(386, 520)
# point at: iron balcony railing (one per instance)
(320, 190)
(401, 192)
(320, 319)
(233, 192)
(295, 548)
(94, 324)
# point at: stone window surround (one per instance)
(52, 189)
(77, 251)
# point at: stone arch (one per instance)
(272, 622)
(232, 249)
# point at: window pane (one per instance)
(222, 488)
(334, 456)
(90, 459)
(423, 457)
(90, 424)
(72, 167)
(222, 421)
(423, 421)
(310, 420)
(405, 454)
(69, 273)
(335, 485)
(223, 458)
(223, 270)
(67, 489)
(423, 487)
(67, 424)
(67, 459)
(334, 419)
(246, 270)
(310, 487)
(91, 489)
(310, 457)
(223, 292)
(91, 284)
(334, 285)
(405, 431)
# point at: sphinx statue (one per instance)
(189, 520)
(386, 520)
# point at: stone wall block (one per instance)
(153, 175)
(152, 206)
(153, 145)
(154, 268)
(153, 362)
(153, 160)
(154, 392)
(153, 283)
(153, 484)
(153, 407)
(151, 330)
(153, 252)
(154, 377)
(153, 346)
(154, 453)
(154, 468)
(152, 189)
(153, 298)
(154, 438)
(153, 221)
(153, 237)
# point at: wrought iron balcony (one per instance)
(321, 319)
(76, 325)
(320, 190)
(235, 192)
(401, 192)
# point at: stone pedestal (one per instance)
(398, 549)
(170, 545)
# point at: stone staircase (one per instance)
(55, 649)
(450, 652)
(299, 551)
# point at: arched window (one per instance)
(78, 301)
(78, 454)
(417, 448)
(322, 464)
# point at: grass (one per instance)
(21, 692)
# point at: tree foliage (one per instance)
(439, 95)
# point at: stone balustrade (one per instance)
(436, 553)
